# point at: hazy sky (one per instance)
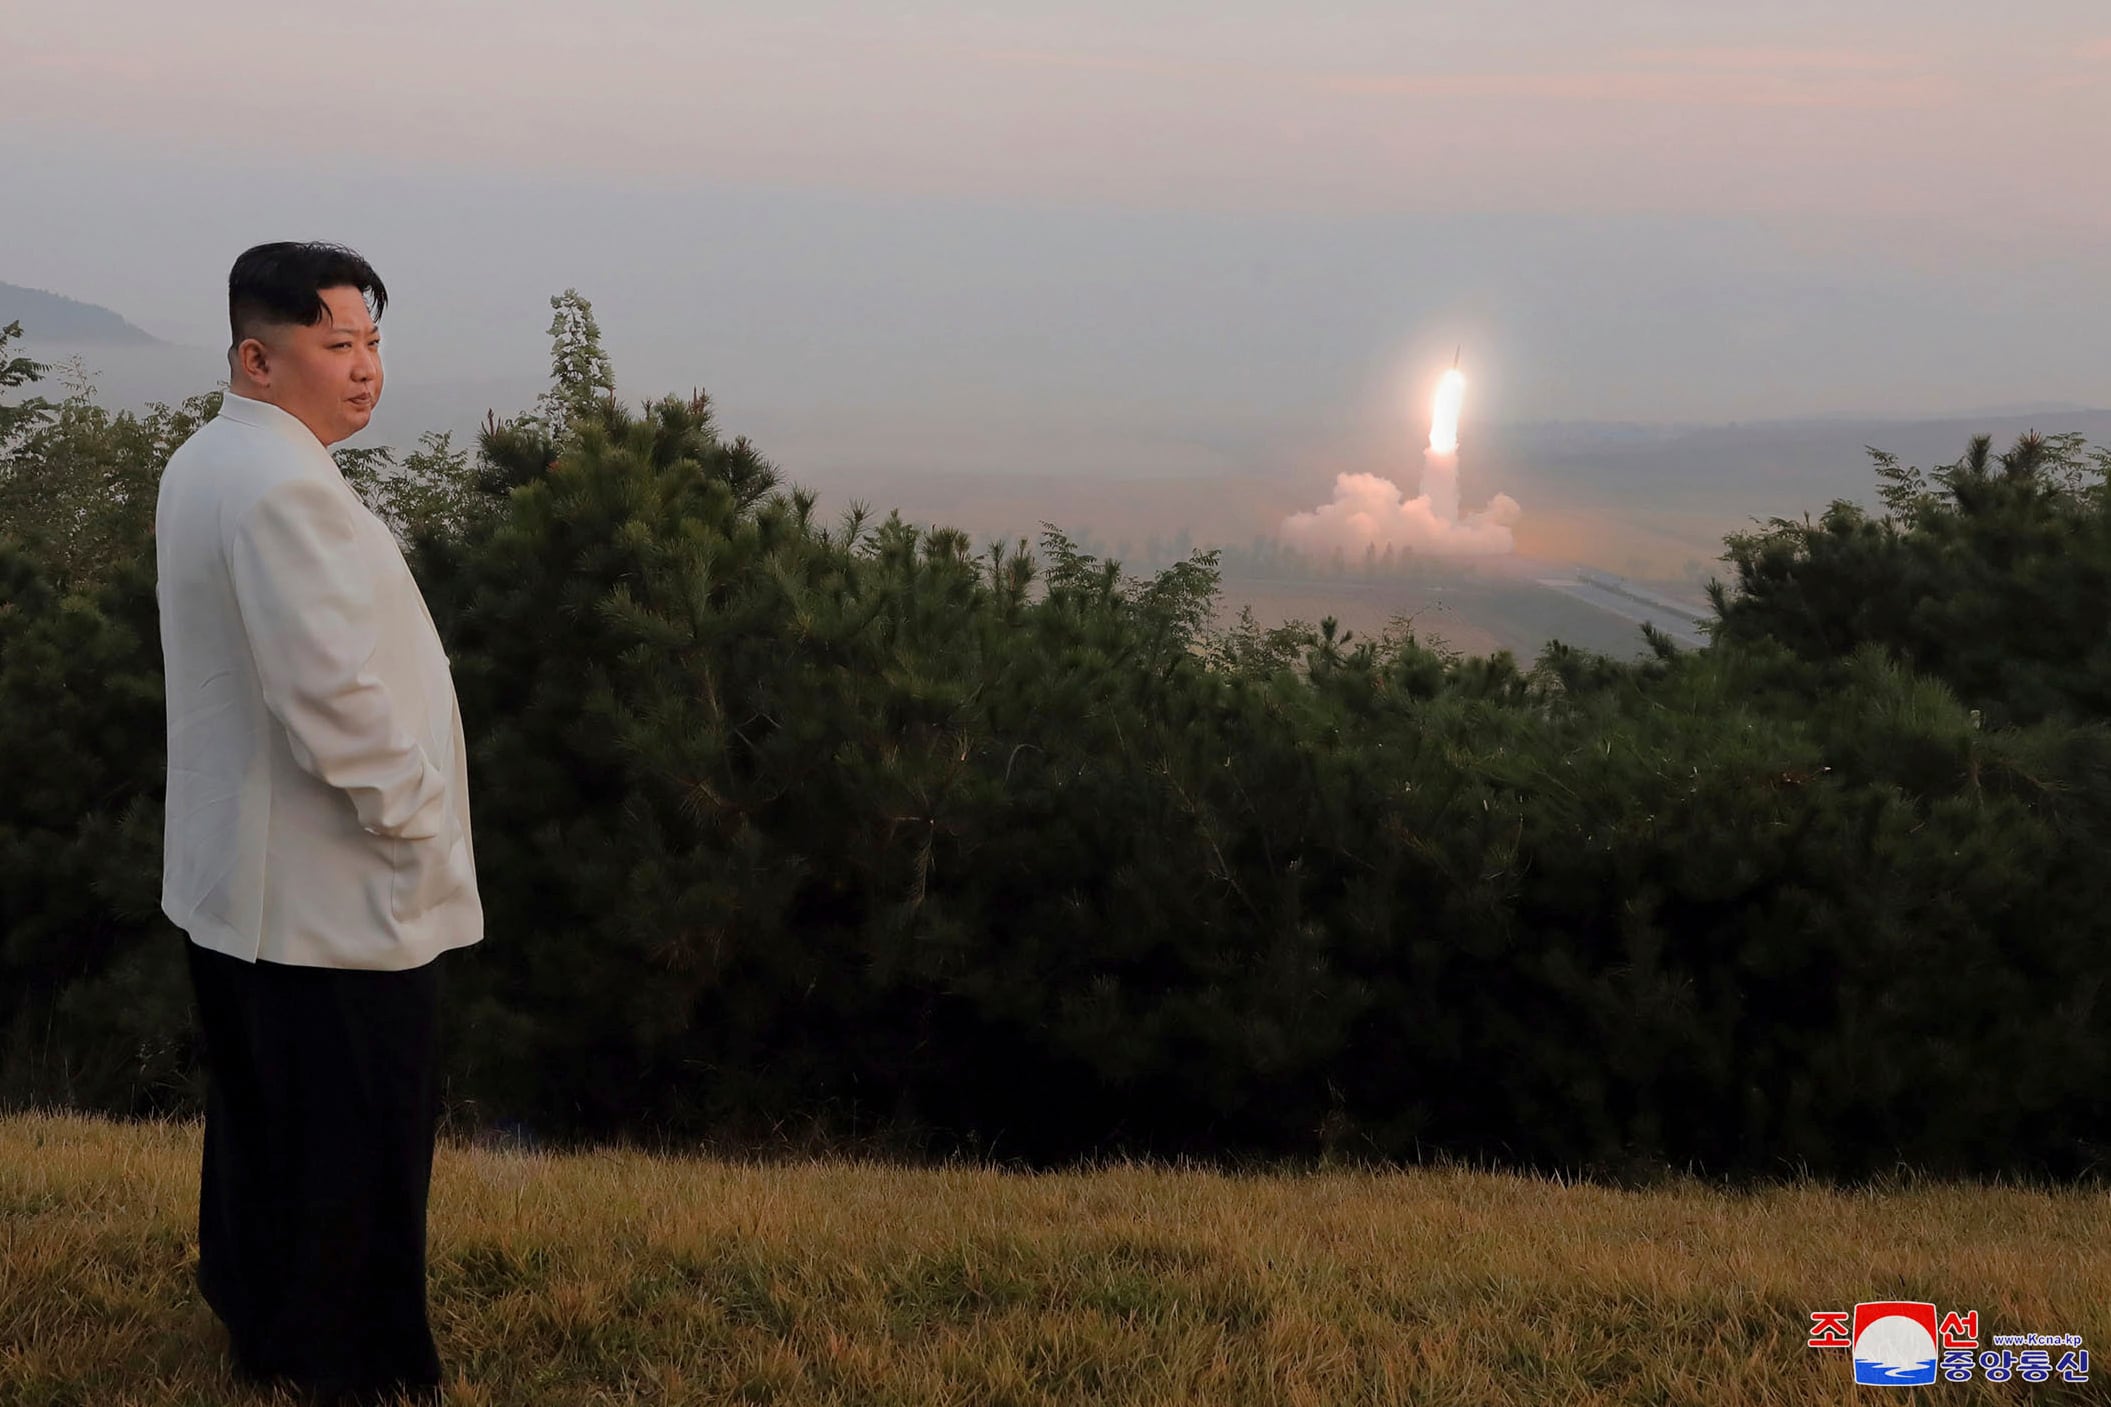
(1140, 213)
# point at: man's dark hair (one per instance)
(283, 283)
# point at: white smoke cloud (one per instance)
(1371, 511)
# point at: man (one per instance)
(317, 847)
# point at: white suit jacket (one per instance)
(318, 787)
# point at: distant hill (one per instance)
(49, 318)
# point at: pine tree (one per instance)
(580, 371)
(1993, 574)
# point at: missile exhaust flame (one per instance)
(1444, 420)
(1372, 512)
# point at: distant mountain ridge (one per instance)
(56, 319)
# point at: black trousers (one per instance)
(321, 1110)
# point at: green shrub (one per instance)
(854, 828)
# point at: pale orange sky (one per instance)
(1905, 108)
(1128, 212)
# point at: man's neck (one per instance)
(250, 393)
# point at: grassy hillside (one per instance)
(627, 1277)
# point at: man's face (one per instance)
(327, 375)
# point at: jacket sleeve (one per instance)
(309, 608)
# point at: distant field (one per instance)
(1476, 607)
(1473, 617)
(623, 1277)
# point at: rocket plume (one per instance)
(1440, 462)
(1444, 420)
(1370, 511)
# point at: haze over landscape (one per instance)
(1574, 842)
(1158, 273)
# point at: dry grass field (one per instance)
(630, 1277)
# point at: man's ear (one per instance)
(252, 359)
